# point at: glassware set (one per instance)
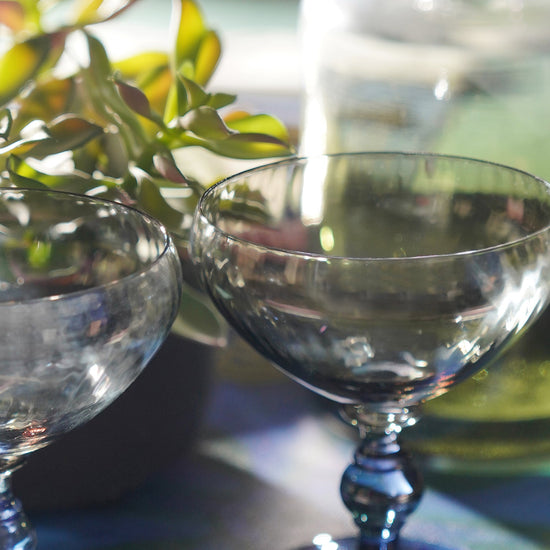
(378, 280)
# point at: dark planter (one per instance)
(154, 422)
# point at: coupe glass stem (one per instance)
(382, 486)
(16, 532)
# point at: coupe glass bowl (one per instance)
(378, 280)
(88, 292)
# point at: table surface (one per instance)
(265, 473)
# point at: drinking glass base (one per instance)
(16, 533)
(324, 541)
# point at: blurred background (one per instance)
(261, 52)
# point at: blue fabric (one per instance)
(266, 475)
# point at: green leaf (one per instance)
(207, 57)
(48, 99)
(23, 175)
(199, 320)
(39, 254)
(171, 106)
(185, 95)
(102, 187)
(206, 123)
(250, 146)
(190, 31)
(96, 11)
(100, 66)
(152, 201)
(66, 132)
(22, 181)
(156, 84)
(20, 64)
(177, 101)
(264, 124)
(21, 146)
(87, 11)
(73, 131)
(195, 95)
(152, 75)
(107, 102)
(136, 66)
(219, 100)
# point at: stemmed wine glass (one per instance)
(378, 280)
(88, 292)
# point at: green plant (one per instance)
(73, 120)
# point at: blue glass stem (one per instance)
(16, 532)
(381, 488)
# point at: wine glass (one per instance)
(88, 292)
(378, 280)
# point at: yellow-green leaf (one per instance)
(177, 102)
(156, 85)
(87, 11)
(171, 106)
(250, 146)
(66, 132)
(142, 63)
(100, 65)
(206, 123)
(19, 180)
(22, 175)
(152, 74)
(21, 146)
(199, 319)
(96, 11)
(20, 64)
(265, 124)
(39, 253)
(191, 28)
(207, 57)
(195, 95)
(219, 100)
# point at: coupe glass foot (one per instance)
(324, 541)
(16, 532)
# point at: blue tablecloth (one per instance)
(265, 475)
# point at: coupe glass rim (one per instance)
(318, 256)
(117, 281)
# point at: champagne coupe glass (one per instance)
(378, 280)
(88, 292)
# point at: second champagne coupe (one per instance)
(378, 280)
(88, 292)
